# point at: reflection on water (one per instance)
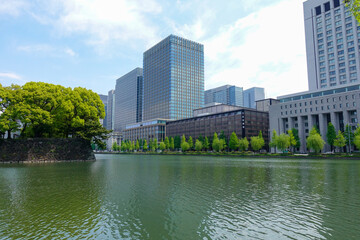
(181, 197)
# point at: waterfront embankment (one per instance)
(45, 150)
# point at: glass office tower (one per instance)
(128, 99)
(173, 79)
(252, 95)
(227, 94)
(332, 44)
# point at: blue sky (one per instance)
(91, 43)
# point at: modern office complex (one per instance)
(173, 79)
(302, 111)
(264, 104)
(243, 121)
(227, 94)
(332, 38)
(110, 110)
(128, 99)
(252, 95)
(146, 130)
(332, 44)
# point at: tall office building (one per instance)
(110, 110)
(252, 95)
(128, 99)
(227, 94)
(173, 79)
(104, 99)
(332, 44)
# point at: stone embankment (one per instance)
(45, 150)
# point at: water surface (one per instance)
(181, 197)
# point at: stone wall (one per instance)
(45, 150)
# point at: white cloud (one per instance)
(8, 78)
(10, 75)
(48, 50)
(264, 49)
(12, 7)
(102, 21)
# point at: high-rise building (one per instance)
(332, 44)
(173, 79)
(252, 95)
(128, 99)
(110, 110)
(104, 99)
(227, 94)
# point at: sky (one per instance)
(91, 43)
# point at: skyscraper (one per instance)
(173, 79)
(227, 94)
(104, 99)
(252, 95)
(332, 44)
(110, 110)
(128, 99)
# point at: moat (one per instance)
(181, 197)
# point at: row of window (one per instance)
(322, 108)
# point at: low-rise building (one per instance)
(146, 130)
(245, 122)
(304, 110)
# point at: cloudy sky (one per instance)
(91, 43)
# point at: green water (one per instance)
(181, 197)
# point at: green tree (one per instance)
(172, 144)
(162, 146)
(198, 145)
(331, 135)
(292, 140)
(184, 146)
(297, 138)
(201, 139)
(349, 136)
(354, 6)
(167, 143)
(115, 146)
(234, 142)
(283, 142)
(155, 144)
(218, 144)
(357, 141)
(243, 144)
(206, 143)
(215, 140)
(191, 143)
(314, 141)
(177, 142)
(339, 141)
(145, 145)
(257, 142)
(137, 146)
(273, 143)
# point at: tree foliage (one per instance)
(234, 142)
(283, 142)
(339, 141)
(292, 140)
(191, 143)
(354, 6)
(257, 142)
(243, 144)
(274, 136)
(331, 135)
(198, 145)
(314, 141)
(45, 110)
(206, 143)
